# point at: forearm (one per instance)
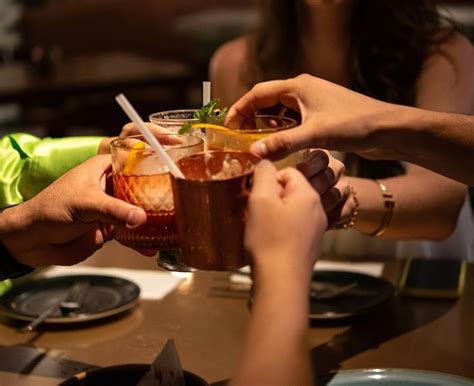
(440, 142)
(276, 350)
(426, 206)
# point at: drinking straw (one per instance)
(206, 93)
(150, 138)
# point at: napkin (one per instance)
(154, 285)
(166, 369)
(372, 269)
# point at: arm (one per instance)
(226, 72)
(339, 119)
(446, 83)
(285, 225)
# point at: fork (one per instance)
(71, 302)
(329, 291)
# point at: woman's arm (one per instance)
(284, 228)
(226, 71)
(446, 84)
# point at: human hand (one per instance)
(326, 175)
(69, 220)
(285, 224)
(128, 130)
(333, 117)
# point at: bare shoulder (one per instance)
(458, 50)
(448, 75)
(226, 70)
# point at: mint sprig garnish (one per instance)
(207, 114)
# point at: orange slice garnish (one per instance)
(251, 135)
(134, 157)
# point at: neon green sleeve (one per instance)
(28, 164)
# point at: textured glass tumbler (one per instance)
(141, 179)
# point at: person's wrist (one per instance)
(277, 269)
(395, 130)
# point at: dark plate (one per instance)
(122, 375)
(370, 292)
(393, 377)
(107, 296)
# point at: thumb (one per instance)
(282, 144)
(100, 207)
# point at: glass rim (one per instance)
(159, 115)
(255, 161)
(290, 124)
(116, 142)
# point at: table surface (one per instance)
(207, 318)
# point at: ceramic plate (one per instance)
(106, 296)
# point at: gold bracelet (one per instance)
(353, 217)
(389, 204)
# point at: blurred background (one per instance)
(63, 61)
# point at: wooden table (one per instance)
(207, 318)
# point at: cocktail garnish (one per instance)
(135, 155)
(207, 114)
(209, 126)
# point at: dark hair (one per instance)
(390, 41)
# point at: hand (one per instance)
(69, 220)
(285, 224)
(333, 117)
(128, 130)
(326, 175)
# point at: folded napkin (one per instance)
(154, 285)
(372, 269)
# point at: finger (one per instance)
(79, 248)
(98, 206)
(265, 180)
(336, 194)
(293, 181)
(97, 165)
(283, 143)
(131, 129)
(323, 181)
(317, 161)
(262, 95)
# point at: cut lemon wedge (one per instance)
(252, 135)
(135, 155)
(209, 126)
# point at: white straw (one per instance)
(206, 93)
(150, 138)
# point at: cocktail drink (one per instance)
(173, 119)
(140, 178)
(261, 127)
(211, 204)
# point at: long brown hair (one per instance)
(390, 41)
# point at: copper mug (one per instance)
(210, 210)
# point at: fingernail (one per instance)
(135, 218)
(264, 163)
(259, 149)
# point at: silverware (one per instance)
(327, 291)
(72, 302)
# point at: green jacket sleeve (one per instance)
(28, 164)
